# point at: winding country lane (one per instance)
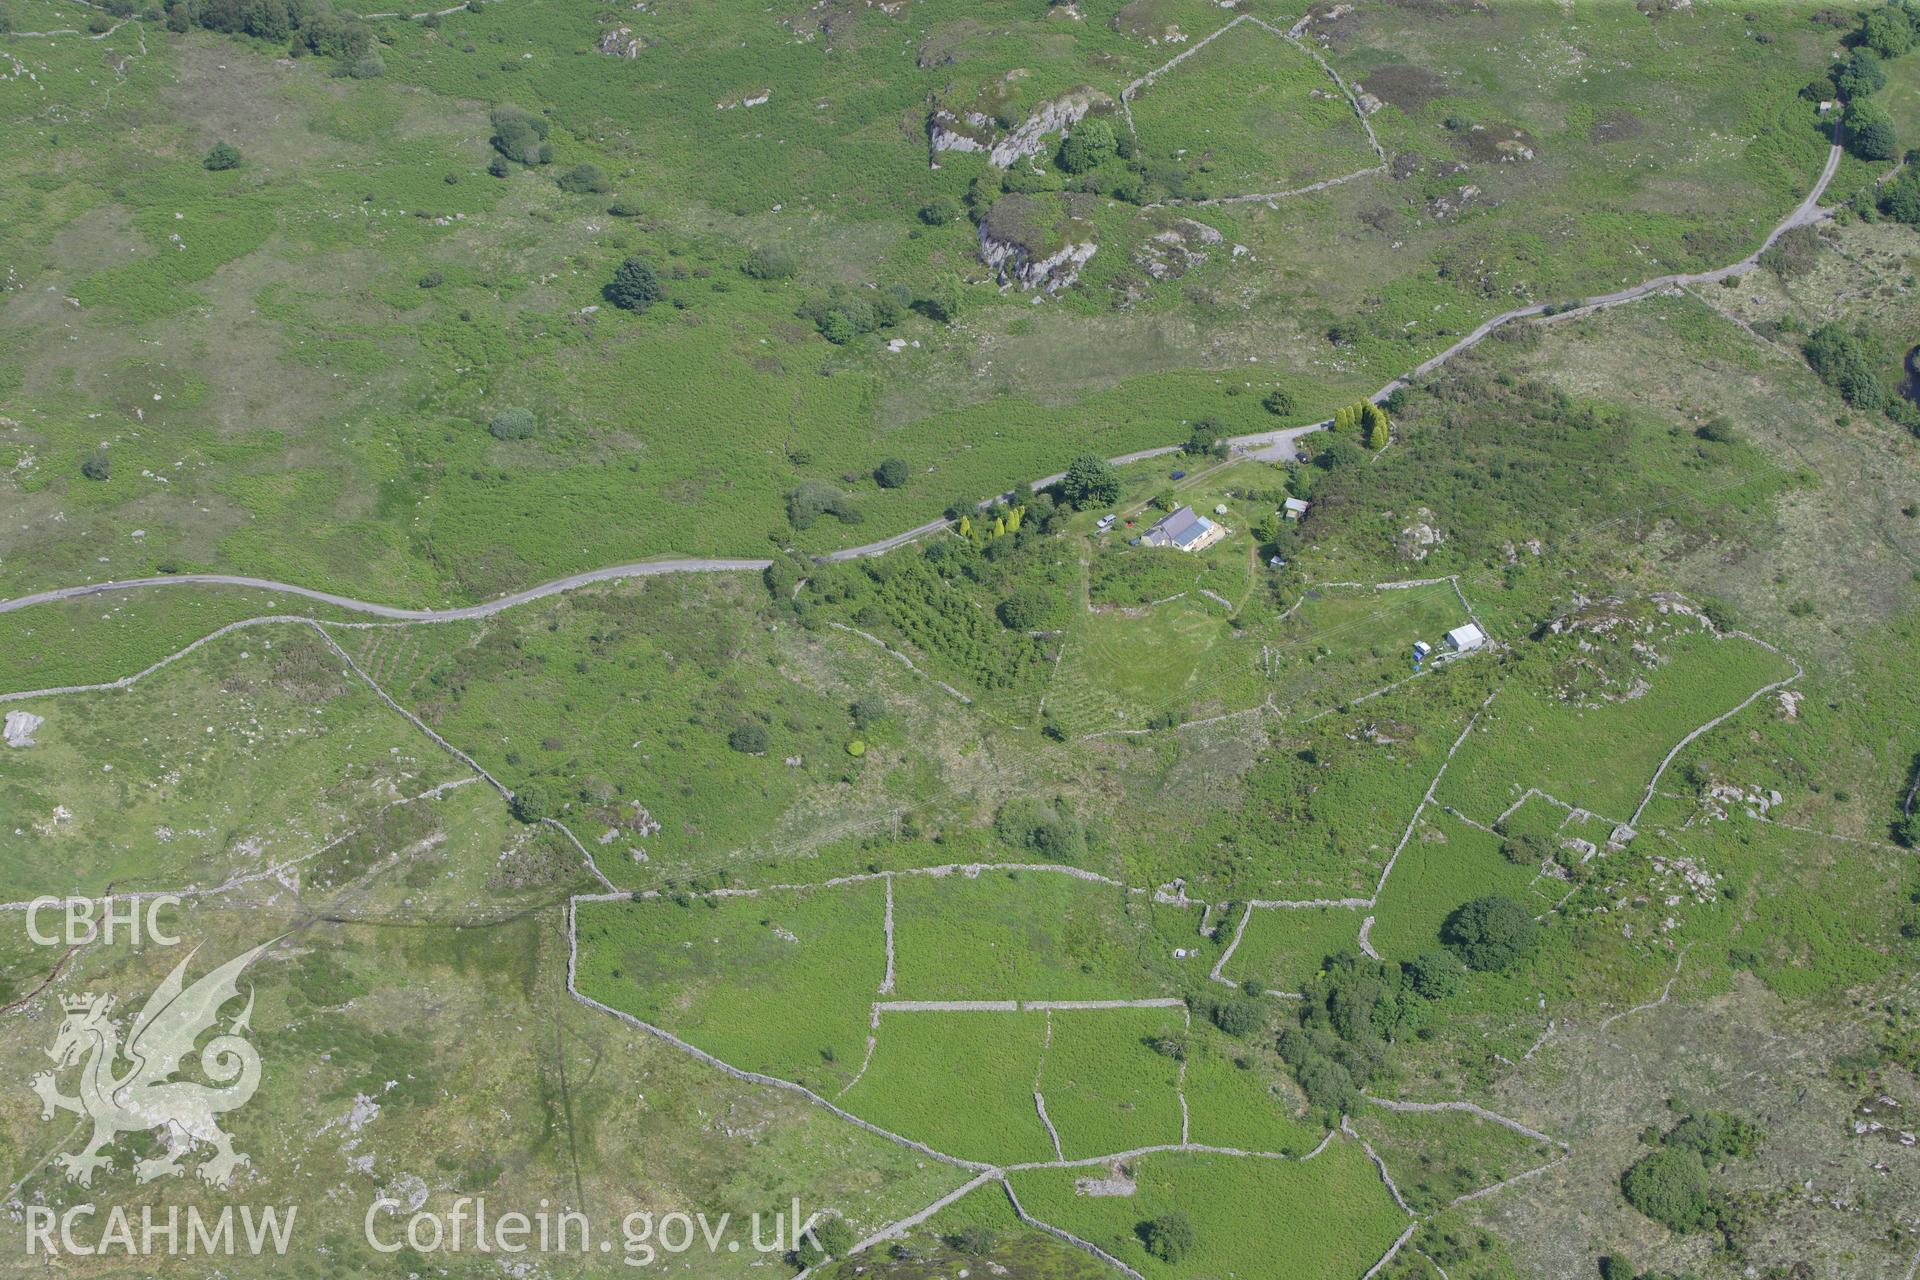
(1265, 445)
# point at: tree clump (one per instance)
(1090, 481)
(223, 155)
(1090, 145)
(1169, 1237)
(1491, 933)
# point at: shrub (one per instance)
(95, 466)
(1844, 363)
(223, 155)
(624, 209)
(1490, 933)
(749, 738)
(1718, 430)
(836, 328)
(634, 287)
(891, 474)
(584, 179)
(1205, 437)
(432, 280)
(368, 66)
(813, 499)
(534, 801)
(1047, 830)
(769, 263)
(1027, 609)
(1670, 1187)
(519, 135)
(1278, 402)
(828, 1238)
(1169, 1237)
(1907, 830)
(945, 298)
(512, 424)
(1714, 1135)
(1528, 850)
(974, 1240)
(939, 211)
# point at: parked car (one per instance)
(1178, 475)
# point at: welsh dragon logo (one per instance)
(144, 1095)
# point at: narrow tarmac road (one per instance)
(1267, 445)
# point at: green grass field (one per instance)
(1436, 1157)
(1239, 1095)
(1327, 1217)
(1592, 735)
(1445, 865)
(1106, 1088)
(779, 983)
(1281, 949)
(1032, 935)
(986, 1065)
(1250, 113)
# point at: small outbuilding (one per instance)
(1465, 638)
(1294, 508)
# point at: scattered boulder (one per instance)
(1177, 249)
(1419, 537)
(20, 726)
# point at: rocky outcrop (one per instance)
(968, 129)
(1036, 241)
(971, 131)
(621, 42)
(1029, 137)
(1016, 265)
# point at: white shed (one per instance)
(1466, 636)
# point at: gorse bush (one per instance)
(223, 155)
(1845, 362)
(1049, 831)
(769, 262)
(584, 179)
(520, 135)
(512, 424)
(815, 498)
